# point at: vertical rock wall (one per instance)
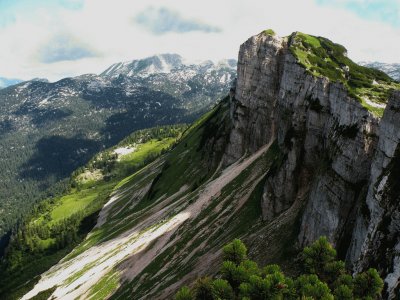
(333, 161)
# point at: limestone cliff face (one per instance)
(340, 160)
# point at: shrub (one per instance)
(368, 284)
(203, 289)
(184, 294)
(235, 251)
(222, 290)
(243, 279)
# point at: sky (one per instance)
(54, 39)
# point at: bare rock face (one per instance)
(376, 236)
(338, 158)
(256, 91)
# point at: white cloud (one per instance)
(108, 28)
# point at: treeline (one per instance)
(158, 132)
(106, 160)
(31, 240)
(324, 277)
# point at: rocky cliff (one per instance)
(340, 162)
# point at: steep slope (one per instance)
(299, 151)
(336, 145)
(49, 129)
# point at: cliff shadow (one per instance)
(56, 157)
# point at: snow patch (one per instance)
(124, 150)
(374, 104)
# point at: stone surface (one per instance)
(334, 149)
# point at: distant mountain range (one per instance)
(47, 130)
(393, 70)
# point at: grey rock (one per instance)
(336, 154)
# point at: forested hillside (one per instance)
(47, 130)
(61, 222)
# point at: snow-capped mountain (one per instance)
(393, 70)
(167, 64)
(49, 129)
(163, 63)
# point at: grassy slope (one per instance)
(189, 163)
(182, 166)
(85, 199)
(235, 212)
(226, 217)
(232, 214)
(321, 57)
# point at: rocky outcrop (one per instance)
(376, 236)
(338, 160)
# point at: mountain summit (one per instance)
(163, 63)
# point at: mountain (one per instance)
(167, 63)
(163, 63)
(47, 130)
(393, 70)
(5, 82)
(306, 145)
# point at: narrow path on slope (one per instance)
(104, 257)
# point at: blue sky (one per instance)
(386, 11)
(59, 38)
(10, 9)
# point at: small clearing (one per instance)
(124, 150)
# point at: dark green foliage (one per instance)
(222, 289)
(368, 285)
(235, 251)
(325, 279)
(203, 289)
(312, 286)
(343, 292)
(44, 295)
(271, 286)
(184, 294)
(236, 274)
(318, 256)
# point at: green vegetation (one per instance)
(44, 295)
(60, 223)
(324, 278)
(322, 57)
(105, 286)
(238, 206)
(269, 32)
(190, 157)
